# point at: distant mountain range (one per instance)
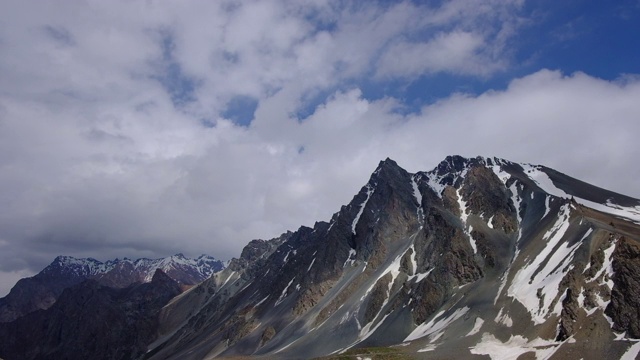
(91, 321)
(43, 289)
(477, 257)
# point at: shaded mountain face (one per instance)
(42, 290)
(91, 321)
(475, 257)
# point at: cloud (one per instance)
(60, 34)
(455, 52)
(146, 129)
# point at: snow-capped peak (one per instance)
(198, 269)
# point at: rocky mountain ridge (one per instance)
(43, 289)
(91, 321)
(517, 257)
(477, 257)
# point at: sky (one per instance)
(149, 128)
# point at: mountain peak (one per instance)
(445, 261)
(387, 162)
(386, 165)
(457, 164)
(42, 290)
(387, 170)
(64, 259)
(495, 229)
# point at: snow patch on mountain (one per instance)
(516, 200)
(368, 330)
(606, 273)
(632, 352)
(416, 192)
(434, 183)
(630, 213)
(436, 326)
(514, 347)
(476, 327)
(534, 279)
(547, 207)
(370, 191)
(351, 258)
(418, 196)
(500, 173)
(503, 319)
(464, 216)
(393, 269)
(283, 295)
(311, 265)
(545, 183)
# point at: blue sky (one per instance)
(595, 37)
(144, 128)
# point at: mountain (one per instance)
(91, 321)
(478, 256)
(42, 290)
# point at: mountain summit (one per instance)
(479, 256)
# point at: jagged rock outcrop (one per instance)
(624, 308)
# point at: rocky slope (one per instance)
(475, 257)
(91, 321)
(43, 289)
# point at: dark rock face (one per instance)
(31, 294)
(484, 193)
(91, 321)
(624, 308)
(42, 290)
(569, 315)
